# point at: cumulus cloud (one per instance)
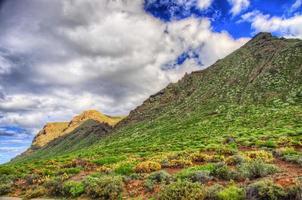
(59, 58)
(238, 6)
(288, 27)
(204, 4)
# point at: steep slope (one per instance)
(250, 100)
(265, 69)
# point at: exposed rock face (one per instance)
(49, 132)
(55, 130)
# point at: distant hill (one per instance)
(52, 131)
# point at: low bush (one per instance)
(235, 160)
(5, 188)
(160, 177)
(147, 167)
(260, 155)
(35, 193)
(200, 157)
(231, 193)
(73, 188)
(257, 169)
(289, 155)
(124, 169)
(181, 163)
(222, 171)
(213, 191)
(104, 187)
(294, 192)
(200, 177)
(265, 190)
(54, 186)
(183, 191)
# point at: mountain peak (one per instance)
(54, 130)
(262, 36)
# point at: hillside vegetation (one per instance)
(231, 131)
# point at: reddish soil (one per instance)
(136, 188)
(172, 170)
(289, 172)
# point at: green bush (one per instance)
(235, 160)
(257, 169)
(213, 191)
(222, 171)
(183, 191)
(265, 190)
(124, 169)
(73, 188)
(5, 188)
(199, 176)
(183, 174)
(160, 177)
(35, 193)
(104, 187)
(54, 186)
(231, 193)
(147, 167)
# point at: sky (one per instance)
(61, 57)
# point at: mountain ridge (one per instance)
(54, 130)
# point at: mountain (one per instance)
(213, 126)
(56, 130)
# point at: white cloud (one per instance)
(238, 6)
(288, 27)
(296, 5)
(204, 4)
(93, 54)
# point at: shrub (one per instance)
(265, 190)
(73, 188)
(147, 167)
(5, 188)
(124, 169)
(36, 192)
(54, 186)
(160, 177)
(222, 171)
(105, 187)
(260, 155)
(180, 163)
(213, 191)
(199, 176)
(34, 179)
(257, 169)
(157, 177)
(231, 193)
(183, 191)
(200, 157)
(217, 158)
(235, 160)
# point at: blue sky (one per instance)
(59, 58)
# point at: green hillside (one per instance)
(227, 132)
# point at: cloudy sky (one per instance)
(60, 57)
